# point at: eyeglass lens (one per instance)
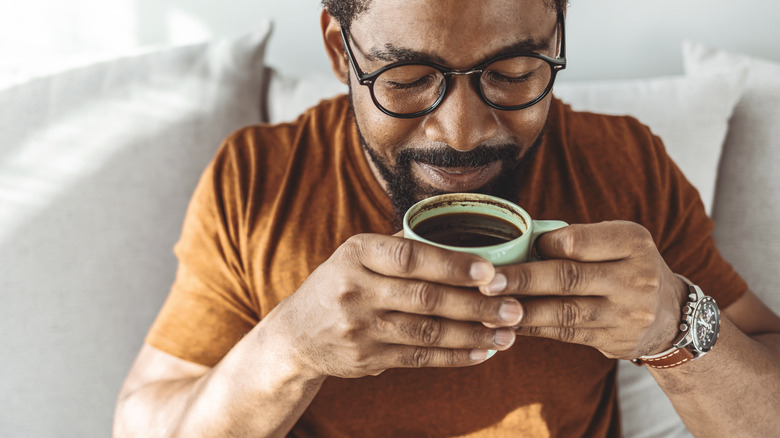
(508, 82)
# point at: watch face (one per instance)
(706, 323)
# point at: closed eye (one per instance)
(422, 82)
(515, 79)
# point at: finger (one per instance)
(577, 313)
(556, 277)
(563, 334)
(398, 257)
(403, 356)
(455, 303)
(605, 241)
(422, 331)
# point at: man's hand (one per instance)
(383, 302)
(604, 285)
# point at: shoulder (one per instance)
(267, 145)
(601, 131)
(620, 146)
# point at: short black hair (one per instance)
(345, 11)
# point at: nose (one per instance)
(462, 121)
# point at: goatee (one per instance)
(405, 189)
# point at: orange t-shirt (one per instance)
(278, 200)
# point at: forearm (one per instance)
(254, 391)
(734, 390)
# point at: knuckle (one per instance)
(351, 250)
(643, 318)
(425, 298)
(568, 314)
(568, 242)
(348, 330)
(479, 335)
(429, 332)
(570, 276)
(567, 334)
(420, 357)
(642, 237)
(485, 308)
(645, 282)
(532, 331)
(402, 255)
(519, 280)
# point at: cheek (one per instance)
(526, 125)
(385, 134)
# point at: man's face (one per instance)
(464, 144)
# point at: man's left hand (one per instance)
(604, 285)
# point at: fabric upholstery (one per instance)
(747, 211)
(96, 169)
(690, 115)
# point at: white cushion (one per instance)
(747, 207)
(690, 115)
(97, 166)
(289, 95)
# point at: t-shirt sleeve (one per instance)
(209, 308)
(685, 238)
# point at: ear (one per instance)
(334, 46)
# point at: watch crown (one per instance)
(687, 310)
(683, 327)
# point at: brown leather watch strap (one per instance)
(668, 359)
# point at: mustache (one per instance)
(444, 156)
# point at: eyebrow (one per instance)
(391, 53)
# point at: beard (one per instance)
(404, 189)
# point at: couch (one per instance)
(97, 165)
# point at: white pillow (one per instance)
(691, 117)
(97, 166)
(747, 207)
(289, 96)
(689, 114)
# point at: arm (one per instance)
(734, 390)
(607, 286)
(379, 302)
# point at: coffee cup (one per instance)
(484, 225)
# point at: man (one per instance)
(298, 307)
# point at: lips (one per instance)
(457, 179)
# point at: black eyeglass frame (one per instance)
(368, 79)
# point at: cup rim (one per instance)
(516, 211)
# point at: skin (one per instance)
(605, 285)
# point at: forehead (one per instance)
(460, 32)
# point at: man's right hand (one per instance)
(378, 302)
(382, 302)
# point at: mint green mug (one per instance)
(488, 226)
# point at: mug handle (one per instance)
(539, 228)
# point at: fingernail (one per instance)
(496, 286)
(504, 337)
(510, 311)
(491, 353)
(478, 355)
(481, 271)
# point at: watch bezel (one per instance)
(698, 343)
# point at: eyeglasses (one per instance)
(507, 82)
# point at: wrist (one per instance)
(698, 331)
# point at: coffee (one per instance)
(467, 230)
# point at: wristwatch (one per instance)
(698, 331)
